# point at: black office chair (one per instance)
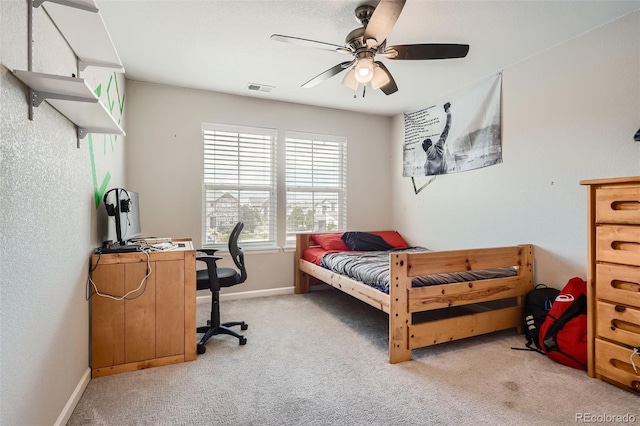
(213, 278)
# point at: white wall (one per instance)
(568, 114)
(164, 161)
(48, 226)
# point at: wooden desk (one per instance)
(156, 325)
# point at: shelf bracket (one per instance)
(70, 3)
(82, 132)
(39, 96)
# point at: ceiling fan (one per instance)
(366, 42)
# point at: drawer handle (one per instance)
(620, 308)
(625, 205)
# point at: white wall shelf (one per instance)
(82, 26)
(74, 99)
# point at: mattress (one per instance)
(372, 268)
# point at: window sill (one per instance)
(258, 250)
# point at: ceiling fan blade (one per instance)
(391, 86)
(383, 19)
(427, 51)
(327, 74)
(309, 43)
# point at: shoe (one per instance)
(447, 106)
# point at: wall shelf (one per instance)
(74, 99)
(82, 26)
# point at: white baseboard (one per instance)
(247, 294)
(64, 416)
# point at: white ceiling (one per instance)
(222, 45)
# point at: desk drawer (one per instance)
(613, 362)
(618, 283)
(618, 244)
(618, 204)
(619, 323)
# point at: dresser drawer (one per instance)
(613, 362)
(619, 323)
(618, 283)
(618, 204)
(618, 244)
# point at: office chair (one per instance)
(213, 278)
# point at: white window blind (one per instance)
(316, 180)
(239, 184)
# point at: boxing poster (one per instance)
(462, 132)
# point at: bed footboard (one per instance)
(404, 335)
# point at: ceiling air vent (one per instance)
(259, 87)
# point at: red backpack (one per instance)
(563, 334)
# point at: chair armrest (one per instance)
(208, 251)
(209, 260)
(214, 284)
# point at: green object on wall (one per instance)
(100, 186)
(98, 191)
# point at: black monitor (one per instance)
(123, 211)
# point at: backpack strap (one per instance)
(550, 342)
(577, 308)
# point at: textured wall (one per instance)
(48, 223)
(568, 114)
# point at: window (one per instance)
(316, 180)
(239, 184)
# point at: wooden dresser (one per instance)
(614, 281)
(155, 325)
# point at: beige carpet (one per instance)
(321, 359)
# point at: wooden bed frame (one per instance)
(403, 300)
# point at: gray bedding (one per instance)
(372, 268)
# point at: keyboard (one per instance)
(128, 248)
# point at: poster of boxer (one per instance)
(459, 133)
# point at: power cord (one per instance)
(143, 283)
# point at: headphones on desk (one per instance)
(124, 204)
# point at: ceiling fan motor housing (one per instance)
(356, 42)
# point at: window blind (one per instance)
(239, 184)
(316, 183)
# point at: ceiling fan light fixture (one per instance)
(350, 81)
(380, 78)
(364, 70)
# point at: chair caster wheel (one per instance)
(200, 349)
(243, 341)
(244, 326)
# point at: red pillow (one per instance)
(393, 238)
(331, 241)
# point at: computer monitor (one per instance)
(124, 224)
